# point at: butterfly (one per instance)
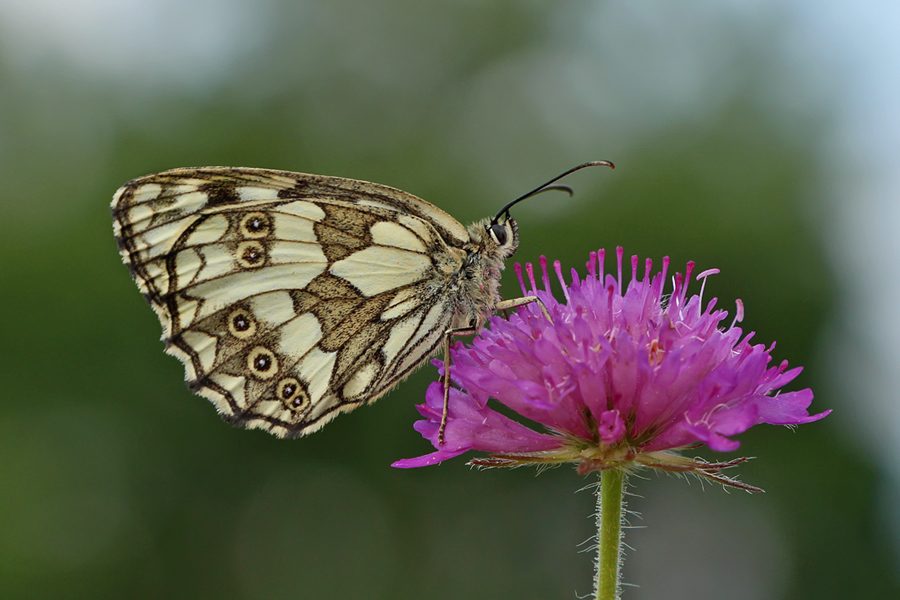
(291, 298)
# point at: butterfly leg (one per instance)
(450, 333)
(462, 331)
(516, 302)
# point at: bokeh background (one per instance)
(761, 138)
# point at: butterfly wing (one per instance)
(289, 297)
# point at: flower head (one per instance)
(617, 375)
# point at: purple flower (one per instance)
(616, 376)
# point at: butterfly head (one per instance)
(496, 238)
(504, 233)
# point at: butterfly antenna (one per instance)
(554, 188)
(548, 186)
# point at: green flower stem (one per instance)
(609, 530)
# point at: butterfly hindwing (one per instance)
(289, 297)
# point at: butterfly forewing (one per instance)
(289, 297)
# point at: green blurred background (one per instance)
(741, 133)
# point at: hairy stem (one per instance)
(609, 533)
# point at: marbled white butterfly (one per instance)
(291, 298)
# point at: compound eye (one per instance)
(499, 234)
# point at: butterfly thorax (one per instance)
(478, 288)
